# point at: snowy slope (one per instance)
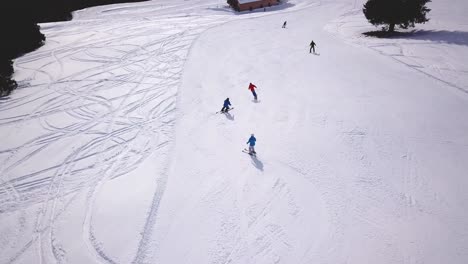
(352, 167)
(113, 153)
(436, 49)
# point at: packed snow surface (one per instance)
(112, 151)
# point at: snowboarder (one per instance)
(251, 143)
(252, 88)
(284, 24)
(226, 105)
(312, 46)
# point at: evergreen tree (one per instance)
(234, 4)
(402, 13)
(6, 85)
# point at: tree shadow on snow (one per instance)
(257, 163)
(438, 36)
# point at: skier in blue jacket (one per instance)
(226, 105)
(251, 143)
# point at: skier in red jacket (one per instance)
(252, 88)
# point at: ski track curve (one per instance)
(109, 115)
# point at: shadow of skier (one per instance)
(229, 116)
(257, 163)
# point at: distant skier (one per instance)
(312, 46)
(226, 105)
(252, 88)
(284, 24)
(251, 143)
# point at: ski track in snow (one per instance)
(104, 119)
(101, 97)
(376, 182)
(125, 126)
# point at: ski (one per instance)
(251, 154)
(219, 112)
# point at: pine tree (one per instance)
(402, 13)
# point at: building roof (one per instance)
(247, 1)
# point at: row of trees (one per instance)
(20, 33)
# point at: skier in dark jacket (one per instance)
(312, 46)
(284, 24)
(251, 143)
(226, 105)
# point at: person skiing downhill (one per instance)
(226, 105)
(251, 143)
(284, 24)
(252, 88)
(312, 46)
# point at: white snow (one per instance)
(112, 151)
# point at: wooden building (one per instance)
(243, 5)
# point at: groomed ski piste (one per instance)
(112, 152)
